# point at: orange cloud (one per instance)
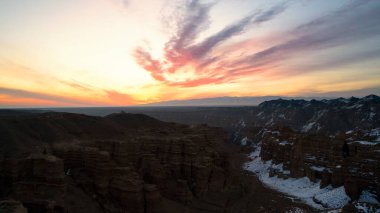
(18, 97)
(117, 98)
(11, 101)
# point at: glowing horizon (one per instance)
(119, 52)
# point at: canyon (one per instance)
(210, 160)
(64, 162)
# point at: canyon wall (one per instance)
(345, 160)
(132, 171)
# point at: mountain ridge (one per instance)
(226, 101)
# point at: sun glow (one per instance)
(81, 53)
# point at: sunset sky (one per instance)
(126, 52)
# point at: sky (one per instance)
(128, 52)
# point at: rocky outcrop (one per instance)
(343, 160)
(12, 206)
(132, 168)
(37, 181)
(152, 198)
(320, 116)
(138, 171)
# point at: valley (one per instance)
(281, 156)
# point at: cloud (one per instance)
(339, 28)
(125, 3)
(42, 96)
(342, 60)
(194, 20)
(235, 29)
(121, 3)
(146, 61)
(78, 85)
(181, 51)
(188, 63)
(111, 97)
(118, 98)
(348, 93)
(202, 49)
(340, 13)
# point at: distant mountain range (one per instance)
(323, 116)
(228, 101)
(256, 100)
(326, 116)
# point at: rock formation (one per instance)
(12, 206)
(345, 160)
(328, 116)
(130, 171)
(37, 181)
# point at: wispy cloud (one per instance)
(340, 28)
(354, 22)
(343, 60)
(350, 93)
(125, 3)
(19, 93)
(122, 3)
(202, 49)
(181, 50)
(194, 20)
(78, 85)
(109, 97)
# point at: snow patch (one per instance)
(301, 188)
(242, 124)
(310, 157)
(318, 168)
(349, 132)
(334, 198)
(283, 143)
(244, 141)
(295, 210)
(275, 132)
(355, 106)
(319, 114)
(369, 143)
(375, 133)
(368, 197)
(371, 115)
(270, 122)
(366, 208)
(308, 127)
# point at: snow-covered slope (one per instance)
(306, 169)
(301, 188)
(320, 116)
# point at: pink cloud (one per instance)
(182, 52)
